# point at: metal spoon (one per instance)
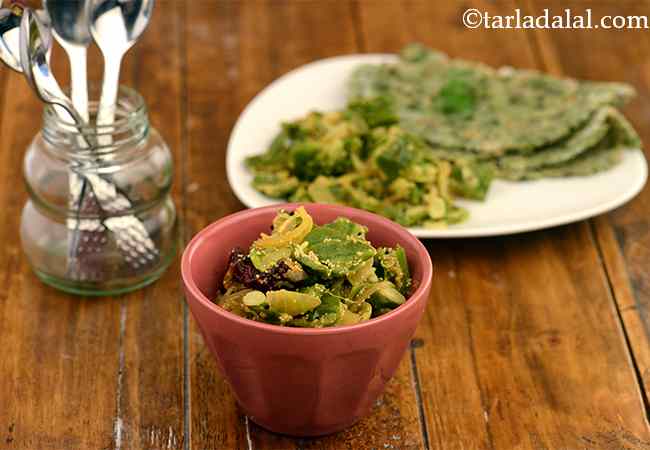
(35, 50)
(35, 46)
(115, 26)
(69, 19)
(64, 16)
(69, 23)
(131, 235)
(10, 36)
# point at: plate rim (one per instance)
(423, 233)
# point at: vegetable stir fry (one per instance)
(362, 158)
(305, 275)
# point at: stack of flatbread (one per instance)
(524, 124)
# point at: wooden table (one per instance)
(533, 341)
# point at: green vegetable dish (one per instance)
(305, 275)
(360, 157)
(423, 130)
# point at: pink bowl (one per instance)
(302, 382)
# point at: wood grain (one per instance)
(51, 341)
(100, 360)
(524, 344)
(151, 386)
(520, 318)
(445, 359)
(210, 43)
(247, 58)
(624, 235)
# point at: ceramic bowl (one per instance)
(296, 381)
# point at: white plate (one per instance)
(509, 208)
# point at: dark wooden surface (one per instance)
(534, 341)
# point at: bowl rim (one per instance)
(402, 234)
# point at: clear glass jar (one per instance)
(100, 219)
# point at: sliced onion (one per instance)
(289, 232)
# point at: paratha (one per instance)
(472, 107)
(596, 147)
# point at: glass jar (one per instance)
(100, 219)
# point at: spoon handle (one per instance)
(79, 80)
(80, 199)
(108, 99)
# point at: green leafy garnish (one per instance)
(307, 275)
(457, 97)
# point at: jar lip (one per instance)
(130, 107)
(89, 140)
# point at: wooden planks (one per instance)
(533, 326)
(149, 399)
(320, 33)
(251, 51)
(215, 421)
(623, 236)
(521, 346)
(51, 341)
(86, 373)
(210, 43)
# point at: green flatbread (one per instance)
(595, 160)
(607, 128)
(586, 152)
(579, 142)
(469, 106)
